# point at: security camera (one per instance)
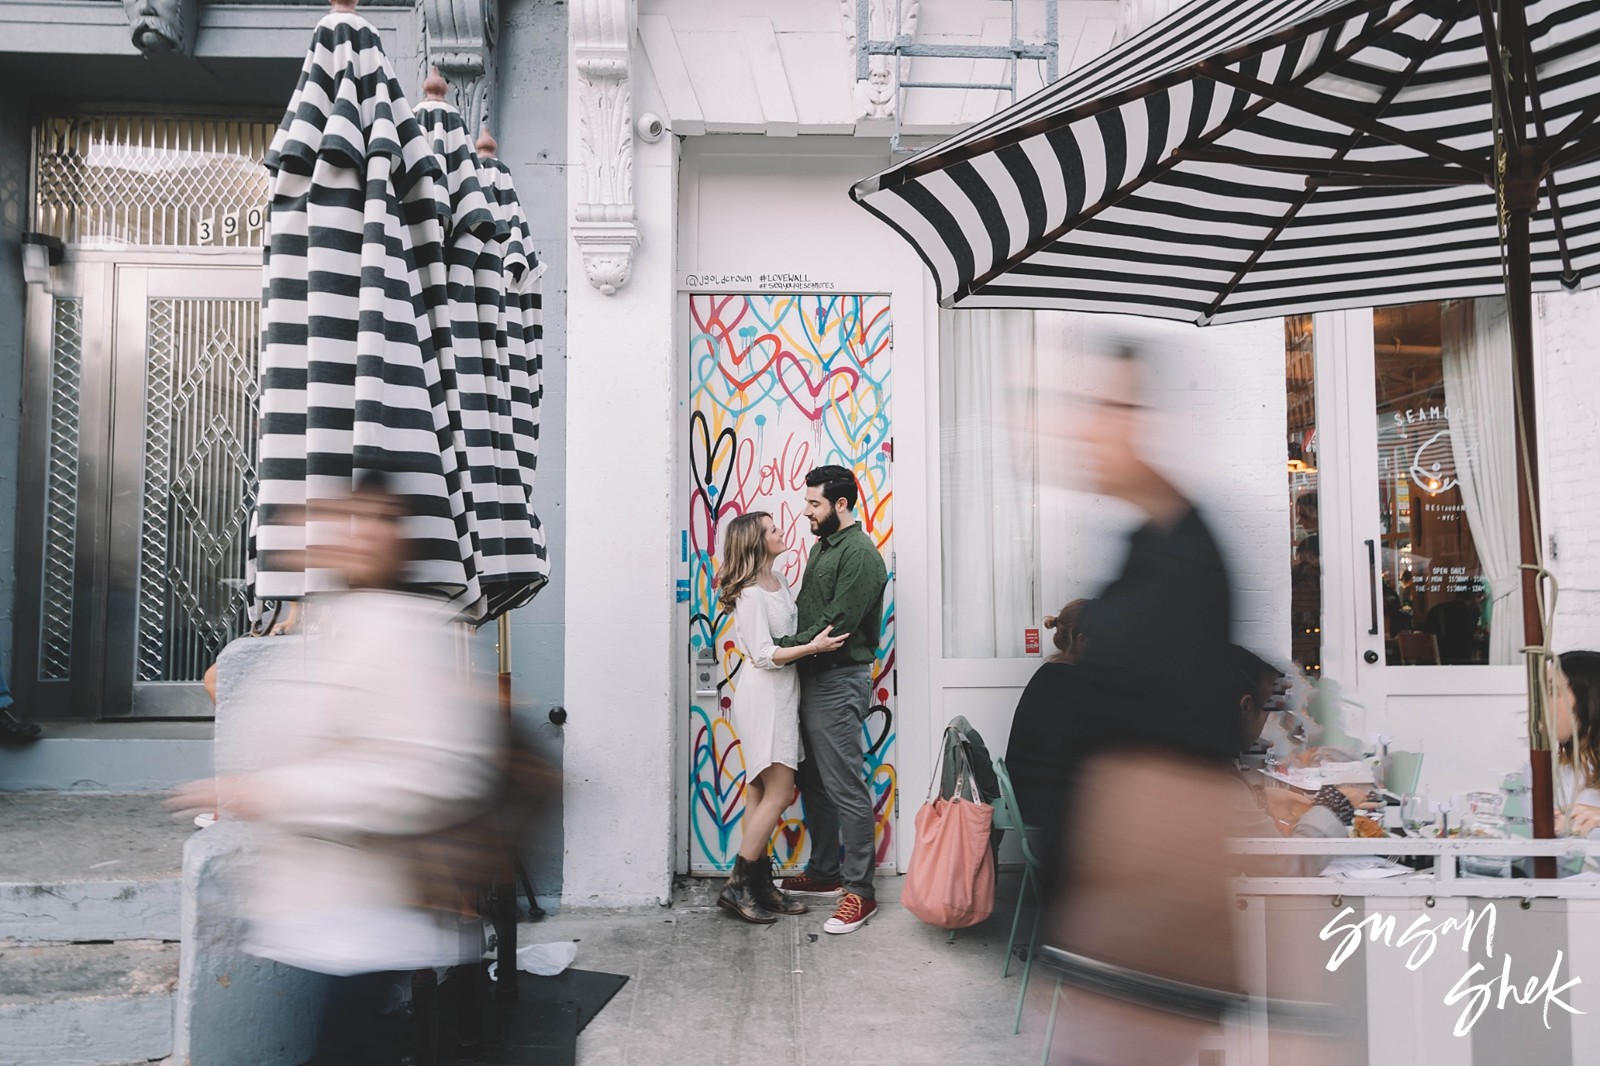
(651, 127)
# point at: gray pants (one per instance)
(833, 704)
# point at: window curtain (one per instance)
(989, 484)
(1476, 341)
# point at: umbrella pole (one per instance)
(1517, 174)
(505, 891)
(1519, 297)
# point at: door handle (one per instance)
(1372, 585)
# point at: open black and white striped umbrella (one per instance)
(372, 352)
(1246, 159)
(1251, 158)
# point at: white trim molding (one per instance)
(604, 224)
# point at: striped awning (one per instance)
(383, 259)
(1244, 159)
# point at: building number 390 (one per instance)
(228, 226)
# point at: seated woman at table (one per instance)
(1577, 700)
(1271, 812)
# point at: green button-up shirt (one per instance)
(843, 588)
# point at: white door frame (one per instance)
(1459, 716)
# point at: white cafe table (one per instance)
(1409, 944)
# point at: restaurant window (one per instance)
(989, 483)
(1447, 505)
(1305, 541)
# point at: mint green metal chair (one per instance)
(1008, 817)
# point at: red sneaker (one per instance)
(806, 885)
(852, 914)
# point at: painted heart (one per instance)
(876, 336)
(788, 843)
(704, 455)
(708, 392)
(811, 396)
(879, 720)
(706, 312)
(857, 423)
(717, 786)
(750, 363)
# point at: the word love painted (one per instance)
(780, 384)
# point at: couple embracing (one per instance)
(805, 688)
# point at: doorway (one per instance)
(779, 383)
(139, 470)
(1403, 480)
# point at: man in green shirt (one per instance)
(843, 587)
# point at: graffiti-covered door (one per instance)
(779, 384)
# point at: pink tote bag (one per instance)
(950, 883)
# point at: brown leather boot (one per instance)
(738, 895)
(768, 894)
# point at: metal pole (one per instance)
(505, 889)
(1517, 175)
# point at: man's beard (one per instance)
(826, 527)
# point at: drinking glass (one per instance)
(1416, 812)
(1484, 827)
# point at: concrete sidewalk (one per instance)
(706, 989)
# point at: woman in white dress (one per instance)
(766, 705)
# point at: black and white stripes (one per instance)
(383, 249)
(1249, 158)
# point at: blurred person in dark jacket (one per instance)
(366, 784)
(1141, 915)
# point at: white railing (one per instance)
(1444, 879)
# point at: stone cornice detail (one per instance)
(460, 38)
(603, 219)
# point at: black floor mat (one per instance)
(590, 990)
(542, 1026)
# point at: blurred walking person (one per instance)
(842, 591)
(386, 750)
(766, 705)
(1145, 931)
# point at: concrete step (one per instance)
(78, 866)
(109, 757)
(86, 1004)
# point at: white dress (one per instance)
(766, 699)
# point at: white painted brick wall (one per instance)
(1570, 445)
(1220, 434)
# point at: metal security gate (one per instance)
(139, 477)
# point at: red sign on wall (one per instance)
(1030, 641)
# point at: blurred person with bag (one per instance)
(377, 789)
(1141, 919)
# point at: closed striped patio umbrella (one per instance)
(1245, 159)
(483, 353)
(348, 375)
(513, 306)
(381, 238)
